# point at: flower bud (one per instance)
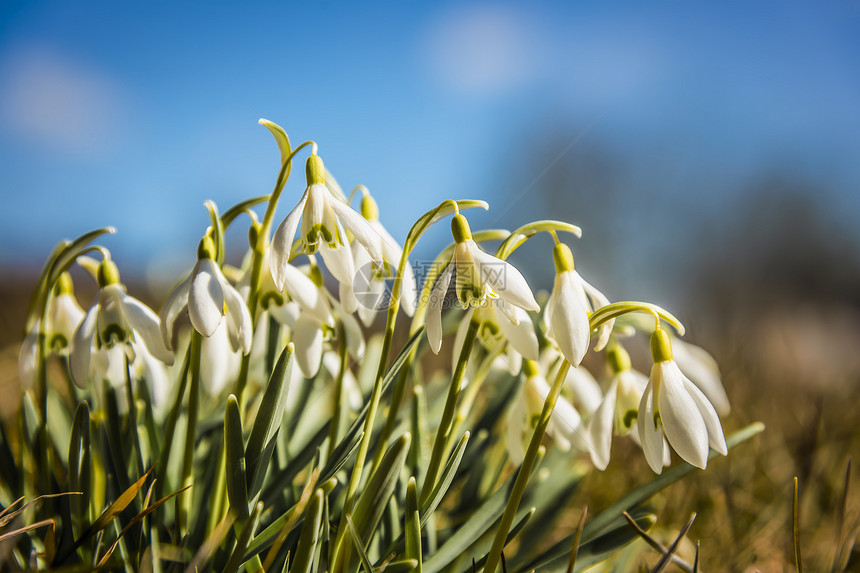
(369, 209)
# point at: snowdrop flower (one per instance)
(62, 317)
(702, 370)
(115, 320)
(568, 308)
(324, 221)
(565, 425)
(673, 405)
(372, 279)
(478, 278)
(619, 410)
(209, 300)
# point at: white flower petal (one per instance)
(598, 300)
(308, 339)
(218, 363)
(650, 435)
(300, 286)
(521, 336)
(339, 262)
(146, 325)
(82, 343)
(503, 278)
(348, 300)
(585, 389)
(282, 242)
(600, 429)
(64, 316)
(360, 229)
(287, 313)
(238, 318)
(434, 309)
(716, 440)
(702, 370)
(569, 319)
(205, 298)
(682, 423)
(176, 302)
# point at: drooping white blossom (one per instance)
(478, 278)
(569, 306)
(675, 407)
(324, 222)
(116, 319)
(209, 299)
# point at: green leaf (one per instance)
(237, 489)
(237, 557)
(79, 462)
(404, 566)
(445, 480)
(353, 434)
(359, 545)
(412, 523)
(373, 500)
(269, 416)
(310, 536)
(524, 518)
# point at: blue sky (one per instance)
(134, 115)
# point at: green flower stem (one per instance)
(417, 322)
(260, 250)
(183, 501)
(444, 209)
(443, 433)
(525, 471)
(334, 427)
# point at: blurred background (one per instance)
(711, 154)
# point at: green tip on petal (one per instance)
(530, 368)
(315, 171)
(618, 358)
(315, 275)
(661, 346)
(369, 208)
(206, 248)
(562, 257)
(108, 273)
(460, 229)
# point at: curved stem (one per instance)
(525, 471)
(183, 501)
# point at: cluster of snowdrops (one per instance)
(226, 329)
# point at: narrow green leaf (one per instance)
(373, 500)
(359, 545)
(404, 566)
(310, 536)
(445, 480)
(79, 469)
(269, 416)
(352, 437)
(521, 522)
(237, 489)
(135, 520)
(412, 523)
(237, 557)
